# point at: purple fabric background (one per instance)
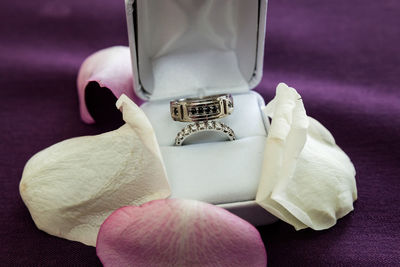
(343, 56)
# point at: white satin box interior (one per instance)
(194, 48)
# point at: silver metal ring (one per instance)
(203, 127)
(201, 109)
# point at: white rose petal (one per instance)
(307, 180)
(71, 187)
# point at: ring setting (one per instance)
(202, 113)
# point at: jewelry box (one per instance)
(197, 48)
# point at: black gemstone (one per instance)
(200, 110)
(193, 111)
(207, 110)
(176, 111)
(214, 109)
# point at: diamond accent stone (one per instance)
(187, 131)
(202, 125)
(193, 127)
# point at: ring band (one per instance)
(202, 127)
(201, 109)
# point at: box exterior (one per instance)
(251, 212)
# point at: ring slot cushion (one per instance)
(194, 48)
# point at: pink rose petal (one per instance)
(107, 69)
(178, 233)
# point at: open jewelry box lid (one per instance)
(184, 48)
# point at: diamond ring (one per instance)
(202, 127)
(202, 111)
